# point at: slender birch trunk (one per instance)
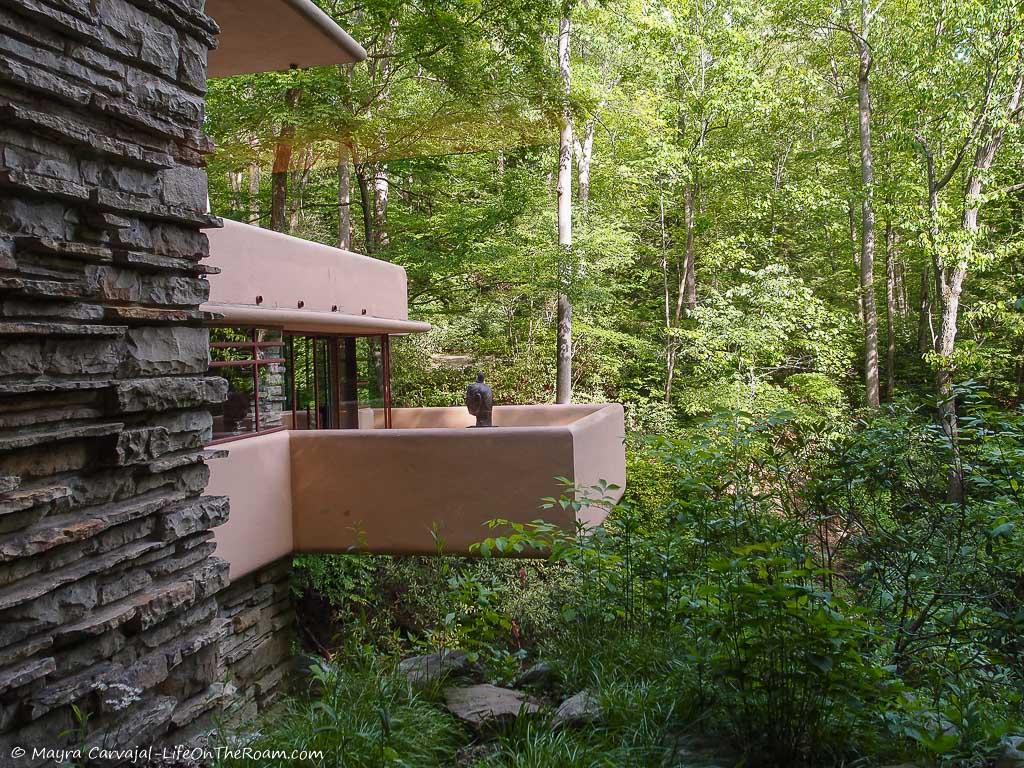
(366, 204)
(688, 289)
(344, 199)
(235, 180)
(381, 195)
(949, 277)
(925, 337)
(890, 310)
(255, 179)
(867, 249)
(584, 156)
(670, 344)
(300, 179)
(563, 381)
(855, 251)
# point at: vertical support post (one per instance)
(305, 379)
(385, 353)
(291, 374)
(255, 379)
(334, 382)
(350, 383)
(316, 386)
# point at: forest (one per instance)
(789, 238)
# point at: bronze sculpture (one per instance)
(480, 401)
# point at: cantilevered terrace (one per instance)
(314, 457)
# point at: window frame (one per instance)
(255, 362)
(287, 358)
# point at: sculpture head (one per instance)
(480, 401)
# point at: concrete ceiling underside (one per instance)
(275, 35)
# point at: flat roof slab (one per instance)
(276, 35)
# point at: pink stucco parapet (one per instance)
(268, 278)
(256, 476)
(429, 484)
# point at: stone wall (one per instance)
(108, 579)
(256, 656)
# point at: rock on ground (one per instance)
(431, 667)
(577, 710)
(485, 706)
(540, 674)
(1013, 753)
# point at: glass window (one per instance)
(251, 361)
(338, 381)
(287, 381)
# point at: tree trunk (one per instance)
(867, 243)
(235, 179)
(925, 338)
(902, 307)
(1020, 375)
(381, 192)
(344, 199)
(300, 178)
(255, 177)
(890, 310)
(855, 250)
(670, 345)
(950, 278)
(563, 381)
(282, 163)
(366, 204)
(688, 292)
(294, 182)
(584, 156)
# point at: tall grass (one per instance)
(360, 715)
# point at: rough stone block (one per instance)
(163, 351)
(166, 394)
(193, 516)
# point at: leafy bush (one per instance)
(789, 666)
(744, 344)
(817, 594)
(745, 634)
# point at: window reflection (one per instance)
(279, 380)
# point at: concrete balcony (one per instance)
(426, 484)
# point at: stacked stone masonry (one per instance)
(112, 599)
(257, 653)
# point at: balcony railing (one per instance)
(427, 485)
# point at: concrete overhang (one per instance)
(276, 35)
(302, 321)
(274, 280)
